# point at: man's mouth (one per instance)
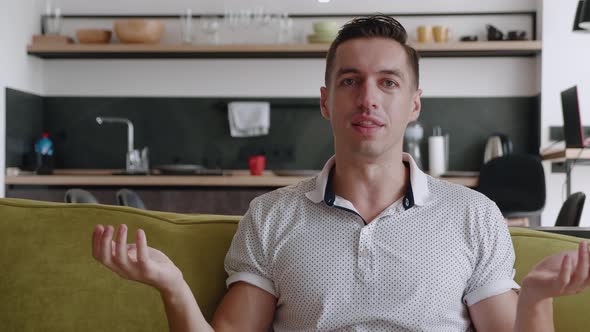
(366, 125)
(367, 121)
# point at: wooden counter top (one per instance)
(236, 178)
(562, 154)
(105, 178)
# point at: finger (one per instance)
(105, 245)
(96, 236)
(581, 270)
(142, 248)
(120, 257)
(132, 252)
(565, 273)
(587, 282)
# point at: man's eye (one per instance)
(390, 83)
(347, 81)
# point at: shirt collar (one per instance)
(416, 192)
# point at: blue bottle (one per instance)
(44, 152)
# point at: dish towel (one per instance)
(248, 118)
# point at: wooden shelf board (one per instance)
(560, 155)
(118, 51)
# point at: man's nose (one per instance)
(367, 96)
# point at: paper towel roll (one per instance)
(436, 155)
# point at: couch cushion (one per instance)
(49, 280)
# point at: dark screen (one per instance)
(572, 128)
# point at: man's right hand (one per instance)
(134, 261)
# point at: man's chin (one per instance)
(369, 150)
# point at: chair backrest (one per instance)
(571, 210)
(126, 197)
(515, 182)
(79, 196)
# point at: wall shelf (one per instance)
(159, 51)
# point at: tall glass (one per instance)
(186, 26)
(53, 18)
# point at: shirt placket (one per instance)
(365, 254)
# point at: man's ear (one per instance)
(324, 103)
(416, 106)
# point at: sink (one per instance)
(122, 172)
(129, 173)
(86, 172)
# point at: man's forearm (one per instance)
(182, 310)
(533, 314)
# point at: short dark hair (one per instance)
(375, 26)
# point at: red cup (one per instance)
(257, 164)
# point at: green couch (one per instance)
(50, 282)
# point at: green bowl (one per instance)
(320, 39)
(323, 27)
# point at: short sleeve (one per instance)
(247, 258)
(494, 269)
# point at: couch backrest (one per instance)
(50, 282)
(532, 246)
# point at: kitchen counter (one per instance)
(234, 178)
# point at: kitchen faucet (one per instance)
(136, 162)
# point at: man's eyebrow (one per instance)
(349, 70)
(345, 70)
(394, 72)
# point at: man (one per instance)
(372, 243)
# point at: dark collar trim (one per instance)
(409, 199)
(330, 196)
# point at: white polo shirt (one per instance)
(415, 267)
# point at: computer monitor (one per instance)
(572, 125)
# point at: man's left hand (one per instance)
(561, 274)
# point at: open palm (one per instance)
(562, 274)
(134, 261)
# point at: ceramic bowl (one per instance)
(139, 31)
(324, 27)
(93, 36)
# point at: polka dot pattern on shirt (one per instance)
(406, 270)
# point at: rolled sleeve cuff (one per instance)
(252, 279)
(491, 289)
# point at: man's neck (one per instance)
(370, 185)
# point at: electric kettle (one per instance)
(498, 145)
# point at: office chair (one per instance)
(126, 197)
(571, 210)
(516, 183)
(79, 196)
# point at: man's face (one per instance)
(371, 97)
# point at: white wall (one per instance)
(460, 77)
(298, 78)
(294, 6)
(565, 63)
(19, 20)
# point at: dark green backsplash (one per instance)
(196, 130)
(24, 124)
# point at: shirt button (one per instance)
(364, 252)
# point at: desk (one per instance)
(569, 156)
